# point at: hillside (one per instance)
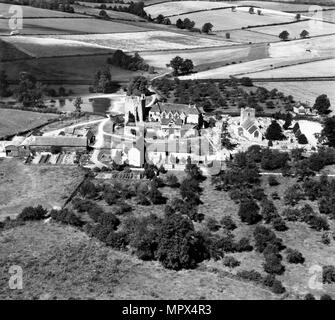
(10, 52)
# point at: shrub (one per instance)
(67, 217)
(277, 287)
(279, 224)
(291, 214)
(32, 213)
(230, 262)
(117, 240)
(108, 220)
(273, 264)
(123, 208)
(248, 211)
(264, 236)
(172, 181)
(243, 245)
(309, 296)
(228, 223)
(88, 189)
(273, 181)
(318, 223)
(293, 195)
(294, 256)
(143, 200)
(269, 211)
(326, 297)
(94, 212)
(328, 274)
(251, 275)
(111, 197)
(212, 224)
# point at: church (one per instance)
(248, 126)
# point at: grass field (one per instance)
(180, 7)
(328, 15)
(50, 47)
(60, 262)
(298, 7)
(248, 35)
(314, 28)
(142, 41)
(225, 19)
(111, 13)
(15, 121)
(31, 12)
(30, 185)
(66, 68)
(69, 26)
(312, 69)
(10, 52)
(304, 90)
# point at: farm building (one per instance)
(43, 143)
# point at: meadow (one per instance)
(324, 68)
(273, 5)
(225, 19)
(68, 266)
(146, 41)
(50, 47)
(31, 12)
(314, 28)
(53, 26)
(29, 185)
(15, 121)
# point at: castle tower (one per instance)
(247, 114)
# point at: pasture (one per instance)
(324, 68)
(69, 260)
(180, 7)
(31, 12)
(30, 185)
(88, 10)
(281, 6)
(62, 69)
(146, 41)
(69, 26)
(50, 47)
(314, 28)
(225, 19)
(15, 121)
(247, 36)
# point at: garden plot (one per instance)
(180, 7)
(69, 26)
(314, 28)
(145, 41)
(325, 68)
(50, 47)
(225, 19)
(31, 12)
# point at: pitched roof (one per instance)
(175, 107)
(58, 141)
(252, 129)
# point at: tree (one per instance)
(284, 35)
(302, 139)
(328, 131)
(207, 27)
(176, 64)
(29, 91)
(4, 85)
(188, 24)
(298, 16)
(137, 86)
(160, 19)
(322, 104)
(304, 34)
(274, 132)
(187, 66)
(248, 211)
(180, 24)
(103, 14)
(294, 256)
(251, 10)
(288, 121)
(77, 104)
